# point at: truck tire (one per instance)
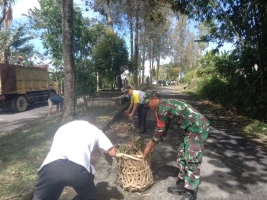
(20, 104)
(13, 104)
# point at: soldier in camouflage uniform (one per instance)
(195, 127)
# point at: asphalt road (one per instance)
(10, 121)
(232, 168)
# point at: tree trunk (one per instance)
(4, 6)
(153, 56)
(119, 82)
(144, 41)
(131, 33)
(68, 56)
(143, 64)
(97, 81)
(5, 53)
(110, 23)
(136, 43)
(150, 62)
(158, 62)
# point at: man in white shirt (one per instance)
(68, 162)
(137, 104)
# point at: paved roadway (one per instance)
(232, 167)
(10, 121)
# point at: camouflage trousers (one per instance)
(190, 157)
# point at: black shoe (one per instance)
(175, 190)
(141, 132)
(137, 126)
(189, 195)
(178, 189)
(180, 183)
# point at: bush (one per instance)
(215, 89)
(189, 76)
(256, 128)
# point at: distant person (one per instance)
(195, 132)
(125, 83)
(19, 60)
(68, 162)
(147, 80)
(137, 105)
(58, 101)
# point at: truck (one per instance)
(21, 86)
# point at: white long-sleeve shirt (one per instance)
(75, 141)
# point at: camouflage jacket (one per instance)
(187, 117)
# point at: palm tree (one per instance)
(5, 22)
(6, 18)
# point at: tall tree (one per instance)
(110, 56)
(68, 56)
(6, 17)
(5, 22)
(247, 30)
(16, 42)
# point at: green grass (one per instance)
(256, 128)
(23, 150)
(250, 126)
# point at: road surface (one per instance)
(232, 167)
(10, 121)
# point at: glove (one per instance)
(119, 155)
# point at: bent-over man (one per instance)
(195, 132)
(58, 101)
(137, 104)
(68, 162)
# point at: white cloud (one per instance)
(22, 7)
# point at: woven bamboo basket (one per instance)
(135, 174)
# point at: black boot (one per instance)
(189, 195)
(141, 131)
(178, 189)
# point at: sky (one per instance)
(22, 6)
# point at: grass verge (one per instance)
(23, 150)
(254, 130)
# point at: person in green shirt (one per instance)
(195, 132)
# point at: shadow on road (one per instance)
(232, 167)
(231, 164)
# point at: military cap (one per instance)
(148, 95)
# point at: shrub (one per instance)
(189, 76)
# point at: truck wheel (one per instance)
(21, 104)
(13, 105)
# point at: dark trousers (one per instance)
(141, 112)
(54, 176)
